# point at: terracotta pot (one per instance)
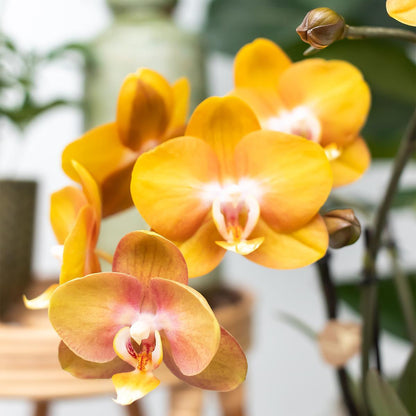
(17, 209)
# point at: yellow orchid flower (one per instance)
(149, 111)
(402, 10)
(140, 314)
(75, 218)
(326, 102)
(227, 185)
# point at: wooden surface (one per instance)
(29, 366)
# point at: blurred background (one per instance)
(61, 65)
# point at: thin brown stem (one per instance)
(331, 303)
(369, 290)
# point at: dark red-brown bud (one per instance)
(343, 227)
(321, 27)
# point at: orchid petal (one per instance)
(201, 253)
(259, 65)
(65, 206)
(145, 254)
(352, 162)
(108, 161)
(144, 108)
(187, 323)
(78, 257)
(90, 188)
(266, 103)
(222, 122)
(133, 386)
(181, 92)
(225, 372)
(292, 175)
(41, 301)
(402, 10)
(334, 91)
(167, 185)
(87, 313)
(290, 250)
(80, 368)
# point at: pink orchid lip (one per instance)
(300, 121)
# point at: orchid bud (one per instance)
(339, 341)
(343, 227)
(321, 27)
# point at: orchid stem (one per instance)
(369, 290)
(331, 302)
(404, 293)
(366, 32)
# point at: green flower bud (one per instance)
(321, 27)
(343, 227)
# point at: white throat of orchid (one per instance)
(301, 121)
(235, 211)
(140, 345)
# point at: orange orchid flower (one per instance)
(75, 218)
(402, 10)
(149, 111)
(122, 324)
(227, 185)
(326, 102)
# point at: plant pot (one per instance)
(17, 209)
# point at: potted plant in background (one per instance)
(19, 106)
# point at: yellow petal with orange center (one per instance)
(133, 386)
(201, 253)
(402, 10)
(65, 206)
(101, 152)
(292, 175)
(334, 91)
(144, 109)
(87, 313)
(352, 162)
(259, 65)
(145, 254)
(222, 122)
(181, 93)
(225, 372)
(188, 325)
(167, 185)
(79, 257)
(293, 249)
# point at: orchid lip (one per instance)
(235, 209)
(300, 121)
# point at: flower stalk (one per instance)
(369, 291)
(331, 303)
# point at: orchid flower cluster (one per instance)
(249, 173)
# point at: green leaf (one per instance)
(298, 324)
(382, 397)
(405, 198)
(407, 384)
(391, 318)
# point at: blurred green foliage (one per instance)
(18, 71)
(391, 317)
(385, 64)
